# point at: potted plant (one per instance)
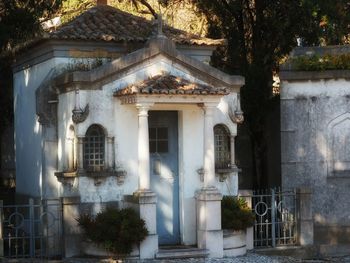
(236, 217)
(115, 231)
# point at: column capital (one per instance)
(80, 139)
(143, 108)
(110, 139)
(208, 107)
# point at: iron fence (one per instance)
(276, 222)
(31, 230)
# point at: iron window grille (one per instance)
(94, 149)
(222, 147)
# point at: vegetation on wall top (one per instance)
(321, 63)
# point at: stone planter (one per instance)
(89, 248)
(234, 243)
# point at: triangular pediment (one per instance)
(160, 55)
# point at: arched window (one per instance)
(222, 147)
(94, 149)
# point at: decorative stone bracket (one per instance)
(223, 174)
(79, 115)
(200, 172)
(236, 115)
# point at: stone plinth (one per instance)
(209, 232)
(306, 224)
(146, 201)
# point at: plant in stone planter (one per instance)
(236, 217)
(235, 213)
(114, 230)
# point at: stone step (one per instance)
(181, 252)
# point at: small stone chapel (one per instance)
(110, 106)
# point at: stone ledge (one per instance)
(313, 75)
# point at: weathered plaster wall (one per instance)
(314, 123)
(121, 121)
(28, 131)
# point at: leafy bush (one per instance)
(235, 213)
(114, 230)
(320, 63)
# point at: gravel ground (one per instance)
(249, 258)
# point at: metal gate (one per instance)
(276, 223)
(31, 230)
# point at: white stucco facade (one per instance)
(50, 144)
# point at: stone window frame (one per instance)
(97, 162)
(222, 147)
(333, 172)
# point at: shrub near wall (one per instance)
(236, 217)
(321, 63)
(114, 230)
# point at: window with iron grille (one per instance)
(94, 149)
(222, 147)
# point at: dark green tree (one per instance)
(260, 34)
(19, 22)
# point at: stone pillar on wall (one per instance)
(110, 153)
(209, 232)
(306, 223)
(72, 233)
(146, 202)
(247, 196)
(80, 152)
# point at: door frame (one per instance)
(180, 213)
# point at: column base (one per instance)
(209, 232)
(147, 201)
(213, 241)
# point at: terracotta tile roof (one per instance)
(169, 84)
(106, 23)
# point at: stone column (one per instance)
(143, 147)
(70, 154)
(209, 150)
(233, 159)
(80, 153)
(110, 153)
(208, 199)
(146, 199)
(306, 223)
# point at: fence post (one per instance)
(31, 228)
(1, 227)
(305, 224)
(273, 217)
(247, 195)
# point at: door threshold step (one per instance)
(181, 252)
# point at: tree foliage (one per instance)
(260, 33)
(19, 21)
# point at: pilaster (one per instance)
(80, 153)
